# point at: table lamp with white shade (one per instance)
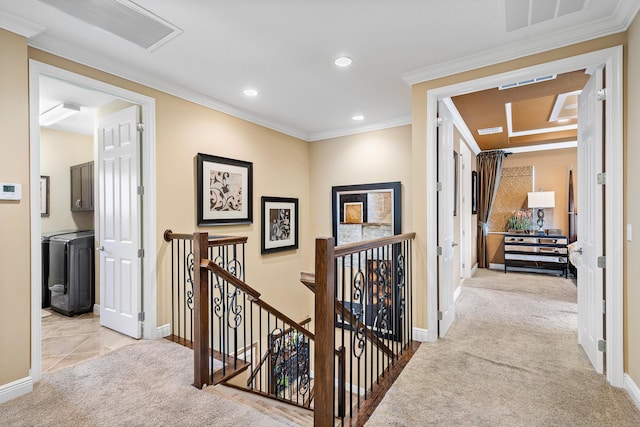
(540, 200)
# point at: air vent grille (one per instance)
(123, 19)
(528, 82)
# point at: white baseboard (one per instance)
(15, 389)
(96, 309)
(457, 292)
(632, 389)
(474, 269)
(420, 334)
(163, 331)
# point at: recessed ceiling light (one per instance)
(358, 117)
(343, 61)
(250, 92)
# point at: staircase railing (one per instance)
(238, 339)
(363, 304)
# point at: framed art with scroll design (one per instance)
(224, 190)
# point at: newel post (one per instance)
(200, 311)
(324, 376)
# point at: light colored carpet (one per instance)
(144, 384)
(511, 358)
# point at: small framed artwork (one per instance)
(455, 183)
(224, 190)
(44, 195)
(279, 224)
(474, 192)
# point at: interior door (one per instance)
(119, 213)
(446, 264)
(590, 221)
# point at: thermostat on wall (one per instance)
(10, 191)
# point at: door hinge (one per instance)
(601, 95)
(602, 346)
(140, 253)
(439, 251)
(438, 186)
(140, 127)
(141, 316)
(602, 262)
(439, 121)
(602, 178)
(604, 307)
(440, 315)
(140, 190)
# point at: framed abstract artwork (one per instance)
(225, 191)
(279, 224)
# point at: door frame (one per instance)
(612, 58)
(148, 111)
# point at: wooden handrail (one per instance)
(225, 275)
(212, 240)
(309, 280)
(354, 248)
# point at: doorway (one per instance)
(612, 59)
(147, 219)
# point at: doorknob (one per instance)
(577, 251)
(454, 244)
(100, 248)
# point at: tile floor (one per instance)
(70, 340)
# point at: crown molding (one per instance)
(386, 124)
(541, 147)
(55, 47)
(559, 39)
(18, 25)
(458, 121)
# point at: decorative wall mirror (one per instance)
(365, 212)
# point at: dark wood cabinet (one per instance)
(536, 251)
(82, 187)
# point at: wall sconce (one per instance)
(57, 113)
(541, 200)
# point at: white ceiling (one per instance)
(285, 49)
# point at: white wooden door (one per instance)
(446, 309)
(590, 221)
(119, 213)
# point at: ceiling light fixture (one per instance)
(343, 61)
(250, 92)
(358, 117)
(58, 113)
(490, 131)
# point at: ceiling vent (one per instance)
(528, 82)
(490, 131)
(523, 13)
(121, 18)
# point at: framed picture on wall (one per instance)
(225, 190)
(474, 192)
(455, 183)
(279, 224)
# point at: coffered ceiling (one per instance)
(211, 52)
(524, 113)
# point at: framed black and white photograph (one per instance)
(225, 190)
(474, 192)
(279, 224)
(44, 195)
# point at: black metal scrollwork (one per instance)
(189, 263)
(359, 338)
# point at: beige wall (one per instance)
(632, 204)
(632, 210)
(58, 151)
(378, 156)
(551, 173)
(15, 269)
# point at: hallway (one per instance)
(511, 358)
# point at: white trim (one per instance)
(20, 26)
(510, 132)
(386, 124)
(529, 47)
(474, 269)
(544, 147)
(612, 58)
(421, 335)
(163, 331)
(457, 292)
(632, 389)
(96, 309)
(458, 121)
(16, 389)
(36, 69)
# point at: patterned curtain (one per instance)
(489, 166)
